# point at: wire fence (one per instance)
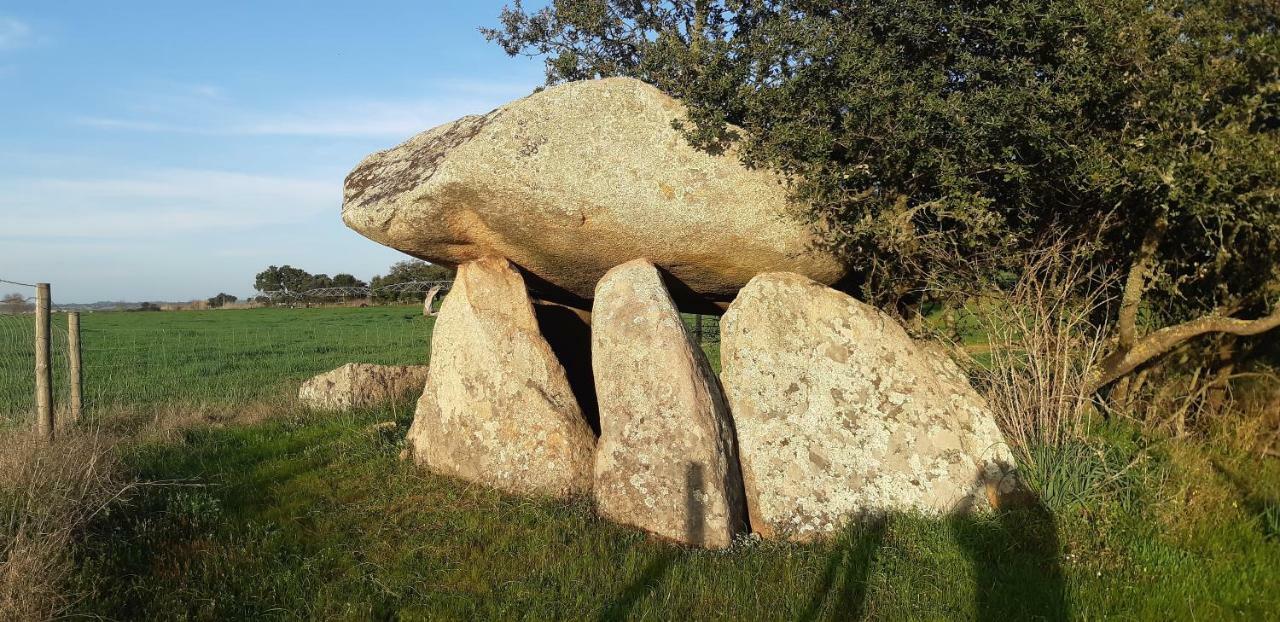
(237, 356)
(139, 358)
(18, 362)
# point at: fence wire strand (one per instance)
(142, 359)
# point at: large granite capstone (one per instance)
(572, 181)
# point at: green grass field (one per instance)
(310, 516)
(219, 357)
(236, 355)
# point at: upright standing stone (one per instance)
(497, 408)
(429, 301)
(666, 460)
(839, 413)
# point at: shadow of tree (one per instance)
(646, 582)
(1014, 553)
(1265, 511)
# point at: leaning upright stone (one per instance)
(841, 414)
(429, 300)
(497, 408)
(666, 460)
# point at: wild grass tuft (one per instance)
(49, 492)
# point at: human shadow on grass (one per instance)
(1015, 556)
(850, 565)
(1013, 551)
(1264, 510)
(695, 532)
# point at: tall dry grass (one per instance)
(1044, 343)
(48, 493)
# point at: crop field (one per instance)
(302, 515)
(220, 357)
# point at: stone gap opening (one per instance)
(568, 332)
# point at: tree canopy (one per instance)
(286, 278)
(220, 300)
(411, 270)
(15, 303)
(926, 138)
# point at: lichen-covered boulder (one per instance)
(362, 385)
(574, 180)
(665, 460)
(497, 408)
(840, 414)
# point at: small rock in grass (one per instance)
(362, 385)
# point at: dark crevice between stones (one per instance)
(568, 332)
(690, 301)
(544, 290)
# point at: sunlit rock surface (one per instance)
(839, 413)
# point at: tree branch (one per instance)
(1136, 283)
(1121, 362)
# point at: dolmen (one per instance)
(582, 224)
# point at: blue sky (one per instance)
(170, 150)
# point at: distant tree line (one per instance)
(290, 279)
(408, 271)
(287, 278)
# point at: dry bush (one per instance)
(1037, 369)
(48, 493)
(1185, 396)
(1043, 346)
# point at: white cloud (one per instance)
(215, 113)
(207, 91)
(353, 119)
(159, 204)
(103, 123)
(14, 34)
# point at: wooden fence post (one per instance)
(73, 358)
(44, 371)
(697, 328)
